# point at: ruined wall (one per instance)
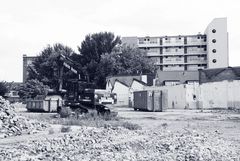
(224, 94)
(180, 96)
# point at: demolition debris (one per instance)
(12, 124)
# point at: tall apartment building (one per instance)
(187, 52)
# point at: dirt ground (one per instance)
(226, 123)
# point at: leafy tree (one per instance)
(124, 60)
(3, 88)
(32, 88)
(47, 64)
(93, 47)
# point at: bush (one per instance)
(65, 112)
(32, 88)
(51, 131)
(164, 125)
(92, 119)
(3, 88)
(66, 129)
(131, 126)
(93, 115)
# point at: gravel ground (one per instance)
(12, 124)
(170, 136)
(105, 144)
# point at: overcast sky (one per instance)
(27, 26)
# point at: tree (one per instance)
(93, 47)
(47, 64)
(3, 88)
(124, 60)
(32, 88)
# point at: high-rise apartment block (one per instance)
(187, 52)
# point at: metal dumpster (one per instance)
(150, 100)
(48, 104)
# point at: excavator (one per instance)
(80, 95)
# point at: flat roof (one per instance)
(165, 36)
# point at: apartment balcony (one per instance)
(171, 54)
(172, 43)
(143, 44)
(172, 63)
(149, 54)
(195, 67)
(181, 63)
(196, 53)
(173, 51)
(199, 43)
(173, 68)
(197, 61)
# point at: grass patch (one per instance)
(92, 119)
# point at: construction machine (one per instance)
(80, 94)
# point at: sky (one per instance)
(28, 26)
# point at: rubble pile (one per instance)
(12, 124)
(107, 144)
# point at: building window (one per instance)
(214, 60)
(198, 37)
(166, 38)
(214, 50)
(213, 30)
(214, 40)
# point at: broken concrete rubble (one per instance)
(12, 124)
(107, 144)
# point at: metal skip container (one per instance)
(150, 100)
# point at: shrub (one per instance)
(66, 129)
(131, 126)
(51, 131)
(65, 112)
(3, 88)
(164, 125)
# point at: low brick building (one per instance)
(220, 88)
(219, 74)
(176, 77)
